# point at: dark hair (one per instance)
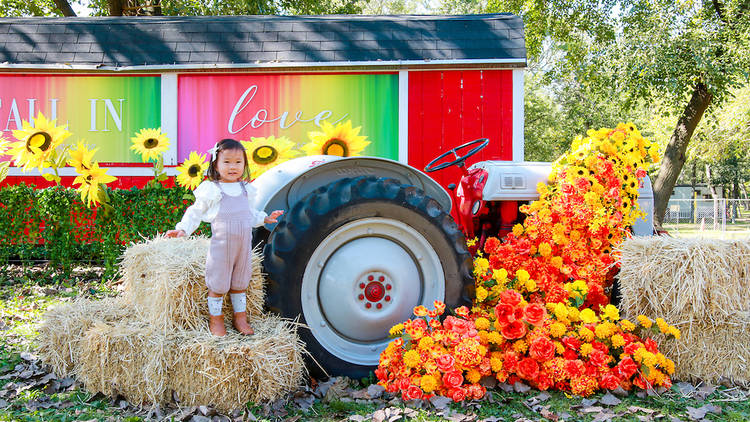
(224, 145)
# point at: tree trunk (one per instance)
(709, 184)
(115, 7)
(674, 156)
(65, 8)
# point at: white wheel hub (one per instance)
(365, 277)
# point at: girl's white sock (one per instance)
(214, 305)
(239, 302)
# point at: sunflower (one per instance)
(36, 143)
(340, 140)
(264, 153)
(91, 181)
(81, 157)
(191, 170)
(150, 143)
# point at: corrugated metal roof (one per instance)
(160, 41)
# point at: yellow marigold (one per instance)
(471, 242)
(574, 314)
(428, 383)
(580, 286)
(669, 366)
(663, 326)
(557, 329)
(626, 325)
(556, 261)
(411, 358)
(500, 275)
(603, 330)
(495, 337)
(531, 285)
(481, 293)
(482, 323)
(644, 321)
(518, 230)
(586, 348)
(675, 332)
(483, 336)
(588, 316)
(545, 249)
(559, 348)
(611, 312)
(520, 346)
(586, 334)
(425, 342)
(496, 363)
(396, 330)
(481, 265)
(618, 340)
(649, 359)
(522, 275)
(473, 376)
(661, 359)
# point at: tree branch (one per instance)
(65, 8)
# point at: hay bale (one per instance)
(63, 328)
(129, 358)
(700, 286)
(229, 371)
(164, 279)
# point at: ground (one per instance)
(29, 392)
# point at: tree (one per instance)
(686, 55)
(179, 7)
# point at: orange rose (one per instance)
(505, 314)
(542, 349)
(453, 379)
(528, 369)
(445, 362)
(514, 330)
(457, 394)
(535, 314)
(511, 297)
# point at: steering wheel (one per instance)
(459, 161)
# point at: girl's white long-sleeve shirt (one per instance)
(206, 206)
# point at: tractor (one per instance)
(364, 240)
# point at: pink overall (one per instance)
(228, 262)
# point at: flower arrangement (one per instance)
(540, 311)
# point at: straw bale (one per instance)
(229, 371)
(710, 353)
(164, 279)
(63, 328)
(701, 286)
(686, 280)
(128, 358)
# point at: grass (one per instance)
(26, 294)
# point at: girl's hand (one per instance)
(273, 217)
(175, 233)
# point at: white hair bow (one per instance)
(212, 151)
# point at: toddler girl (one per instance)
(225, 201)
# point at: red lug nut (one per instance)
(368, 305)
(361, 297)
(387, 298)
(379, 305)
(361, 285)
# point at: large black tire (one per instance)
(347, 247)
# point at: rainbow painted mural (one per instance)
(242, 106)
(104, 110)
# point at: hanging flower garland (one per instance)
(540, 313)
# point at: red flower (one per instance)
(574, 368)
(609, 381)
(457, 394)
(600, 346)
(651, 345)
(491, 245)
(460, 326)
(511, 297)
(476, 391)
(543, 381)
(598, 358)
(462, 311)
(535, 314)
(528, 369)
(632, 348)
(571, 343)
(453, 379)
(445, 362)
(627, 367)
(504, 314)
(542, 349)
(403, 384)
(570, 354)
(382, 374)
(514, 330)
(510, 361)
(412, 393)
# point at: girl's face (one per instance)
(231, 165)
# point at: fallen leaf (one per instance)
(634, 409)
(375, 390)
(3, 404)
(356, 418)
(588, 402)
(440, 402)
(592, 409)
(520, 387)
(609, 400)
(547, 414)
(28, 357)
(378, 415)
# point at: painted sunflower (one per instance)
(191, 170)
(150, 143)
(264, 153)
(37, 142)
(341, 140)
(92, 181)
(81, 157)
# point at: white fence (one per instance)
(708, 214)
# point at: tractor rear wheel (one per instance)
(353, 258)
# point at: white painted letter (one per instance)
(116, 117)
(93, 115)
(15, 116)
(239, 106)
(31, 108)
